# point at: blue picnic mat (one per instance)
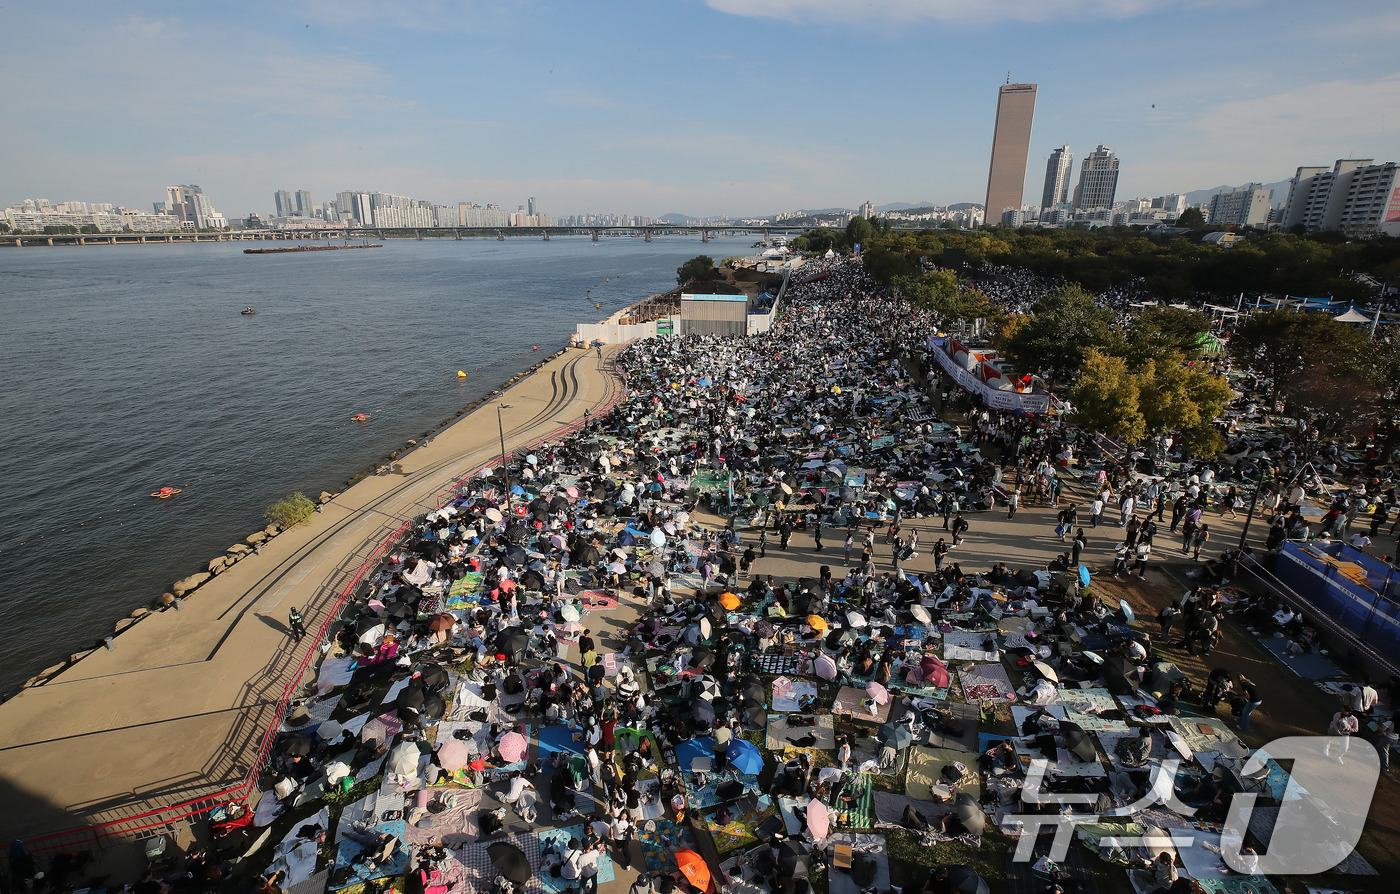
(559, 838)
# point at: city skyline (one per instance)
(607, 112)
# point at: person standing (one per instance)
(297, 623)
(850, 543)
(763, 544)
(1166, 618)
(1198, 541)
(1344, 725)
(940, 550)
(1080, 542)
(1013, 501)
(724, 734)
(786, 532)
(817, 535)
(1096, 512)
(1249, 696)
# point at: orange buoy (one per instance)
(166, 493)
(535, 348)
(361, 417)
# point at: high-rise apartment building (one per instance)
(283, 199)
(304, 206)
(1357, 196)
(1057, 174)
(1011, 148)
(189, 203)
(531, 204)
(1246, 206)
(1098, 180)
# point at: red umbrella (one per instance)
(934, 671)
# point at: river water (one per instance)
(129, 368)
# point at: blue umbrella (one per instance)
(1084, 575)
(745, 757)
(690, 749)
(1127, 612)
(517, 490)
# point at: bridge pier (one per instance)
(595, 235)
(457, 234)
(647, 233)
(48, 241)
(704, 235)
(546, 236)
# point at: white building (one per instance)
(1245, 206)
(1357, 196)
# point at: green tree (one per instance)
(1160, 333)
(1066, 325)
(1106, 398)
(700, 267)
(859, 231)
(290, 511)
(820, 240)
(1192, 219)
(885, 265)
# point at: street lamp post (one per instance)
(505, 461)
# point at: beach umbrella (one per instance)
(969, 813)
(434, 677)
(702, 657)
(556, 541)
(514, 556)
(693, 867)
(763, 628)
(705, 628)
(1084, 575)
(298, 745)
(753, 715)
(817, 623)
(877, 692)
(658, 538)
(434, 706)
(920, 614)
(403, 760)
(371, 633)
(934, 671)
(964, 880)
(818, 820)
(516, 533)
(703, 712)
(750, 689)
(442, 621)
(1093, 656)
(896, 735)
(493, 514)
(571, 492)
(745, 757)
(708, 689)
(569, 613)
(512, 642)
(729, 600)
(1127, 611)
(587, 555)
(510, 861)
(839, 637)
(532, 580)
(1046, 671)
(557, 503)
(400, 611)
(513, 747)
(374, 730)
(792, 858)
(1026, 579)
(330, 730)
(1077, 741)
(617, 568)
(856, 619)
(824, 667)
(453, 755)
(538, 504)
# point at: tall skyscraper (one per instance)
(283, 198)
(304, 206)
(1057, 171)
(1098, 180)
(1247, 206)
(189, 203)
(1011, 148)
(532, 206)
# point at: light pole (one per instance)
(505, 461)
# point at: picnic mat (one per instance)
(660, 839)
(850, 700)
(1088, 701)
(1071, 872)
(560, 840)
(781, 736)
(1203, 733)
(701, 797)
(967, 715)
(744, 820)
(788, 695)
(465, 592)
(967, 645)
(872, 846)
(479, 871)
(791, 665)
(451, 828)
(558, 739)
(925, 765)
(466, 700)
(1095, 723)
(1309, 665)
(889, 807)
(986, 682)
(856, 809)
(369, 809)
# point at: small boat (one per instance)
(247, 311)
(166, 493)
(360, 417)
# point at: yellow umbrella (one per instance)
(817, 623)
(729, 601)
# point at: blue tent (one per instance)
(745, 757)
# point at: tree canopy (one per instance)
(1065, 326)
(700, 267)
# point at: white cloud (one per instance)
(880, 13)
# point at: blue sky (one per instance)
(729, 107)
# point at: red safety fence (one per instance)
(160, 818)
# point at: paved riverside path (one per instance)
(176, 710)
